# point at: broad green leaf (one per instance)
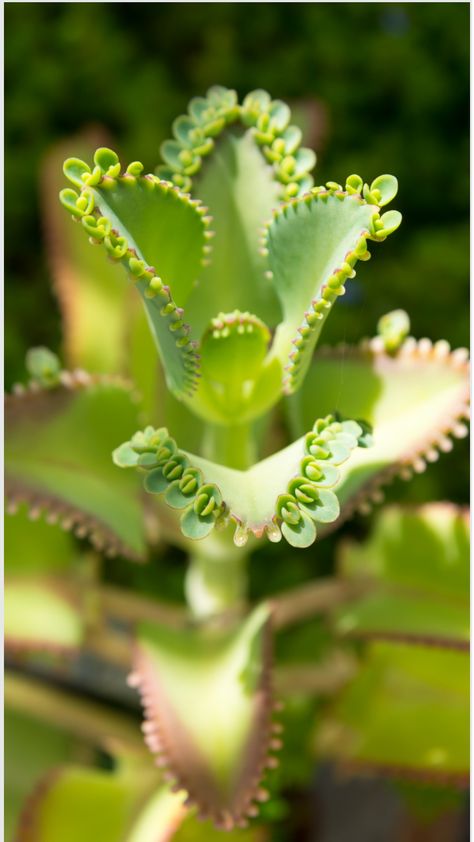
(413, 399)
(32, 749)
(240, 379)
(41, 616)
(216, 746)
(77, 804)
(236, 185)
(240, 160)
(405, 714)
(33, 547)
(57, 459)
(313, 245)
(417, 561)
(158, 234)
(284, 494)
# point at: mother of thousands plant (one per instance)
(238, 259)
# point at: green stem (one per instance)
(215, 585)
(232, 445)
(216, 582)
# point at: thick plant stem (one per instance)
(216, 585)
(217, 582)
(233, 445)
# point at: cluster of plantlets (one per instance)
(238, 260)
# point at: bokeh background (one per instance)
(376, 87)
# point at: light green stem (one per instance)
(233, 446)
(217, 582)
(214, 586)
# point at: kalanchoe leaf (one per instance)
(313, 244)
(41, 616)
(42, 602)
(285, 493)
(216, 749)
(76, 803)
(239, 379)
(209, 116)
(385, 188)
(57, 447)
(405, 715)
(393, 328)
(241, 177)
(43, 366)
(416, 562)
(104, 325)
(414, 399)
(158, 234)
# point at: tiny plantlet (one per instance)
(213, 420)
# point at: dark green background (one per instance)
(381, 88)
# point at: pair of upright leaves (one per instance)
(298, 267)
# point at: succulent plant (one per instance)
(238, 259)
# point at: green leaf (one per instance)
(240, 161)
(41, 616)
(215, 748)
(406, 714)
(57, 459)
(240, 380)
(417, 563)
(159, 235)
(238, 188)
(43, 366)
(282, 494)
(313, 245)
(76, 804)
(34, 547)
(394, 328)
(413, 399)
(32, 749)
